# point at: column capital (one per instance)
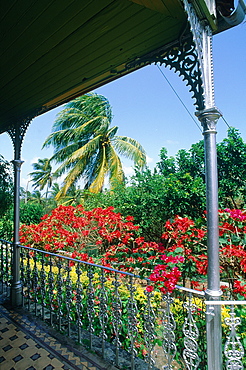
(209, 118)
(17, 163)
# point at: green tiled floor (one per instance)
(26, 346)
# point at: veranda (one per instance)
(182, 42)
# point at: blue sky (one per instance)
(146, 109)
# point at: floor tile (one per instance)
(26, 346)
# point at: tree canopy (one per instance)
(231, 153)
(86, 147)
(6, 186)
(42, 175)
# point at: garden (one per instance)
(108, 241)
(107, 261)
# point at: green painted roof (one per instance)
(54, 50)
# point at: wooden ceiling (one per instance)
(54, 50)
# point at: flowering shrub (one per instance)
(147, 260)
(105, 237)
(72, 229)
(182, 237)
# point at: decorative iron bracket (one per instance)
(17, 133)
(191, 57)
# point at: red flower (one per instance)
(149, 288)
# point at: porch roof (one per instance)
(52, 50)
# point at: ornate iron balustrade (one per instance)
(6, 258)
(111, 312)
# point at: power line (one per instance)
(181, 101)
(225, 122)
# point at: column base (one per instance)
(16, 294)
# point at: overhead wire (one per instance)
(227, 124)
(181, 101)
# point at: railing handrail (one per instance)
(79, 261)
(218, 303)
(6, 241)
(188, 290)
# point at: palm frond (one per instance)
(86, 146)
(131, 149)
(42, 175)
(84, 132)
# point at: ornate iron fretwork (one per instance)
(79, 303)
(51, 281)
(132, 322)
(18, 130)
(149, 330)
(5, 266)
(233, 349)
(103, 310)
(90, 303)
(202, 36)
(116, 317)
(183, 58)
(28, 280)
(43, 285)
(191, 57)
(60, 285)
(17, 134)
(35, 279)
(68, 285)
(191, 335)
(169, 326)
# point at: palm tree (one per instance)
(42, 176)
(87, 147)
(54, 190)
(73, 197)
(36, 197)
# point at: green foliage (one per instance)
(186, 161)
(42, 175)
(152, 199)
(231, 167)
(177, 186)
(87, 147)
(6, 226)
(6, 186)
(30, 213)
(232, 170)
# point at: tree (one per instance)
(231, 167)
(6, 186)
(73, 197)
(152, 199)
(42, 176)
(186, 161)
(232, 170)
(31, 213)
(87, 147)
(6, 200)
